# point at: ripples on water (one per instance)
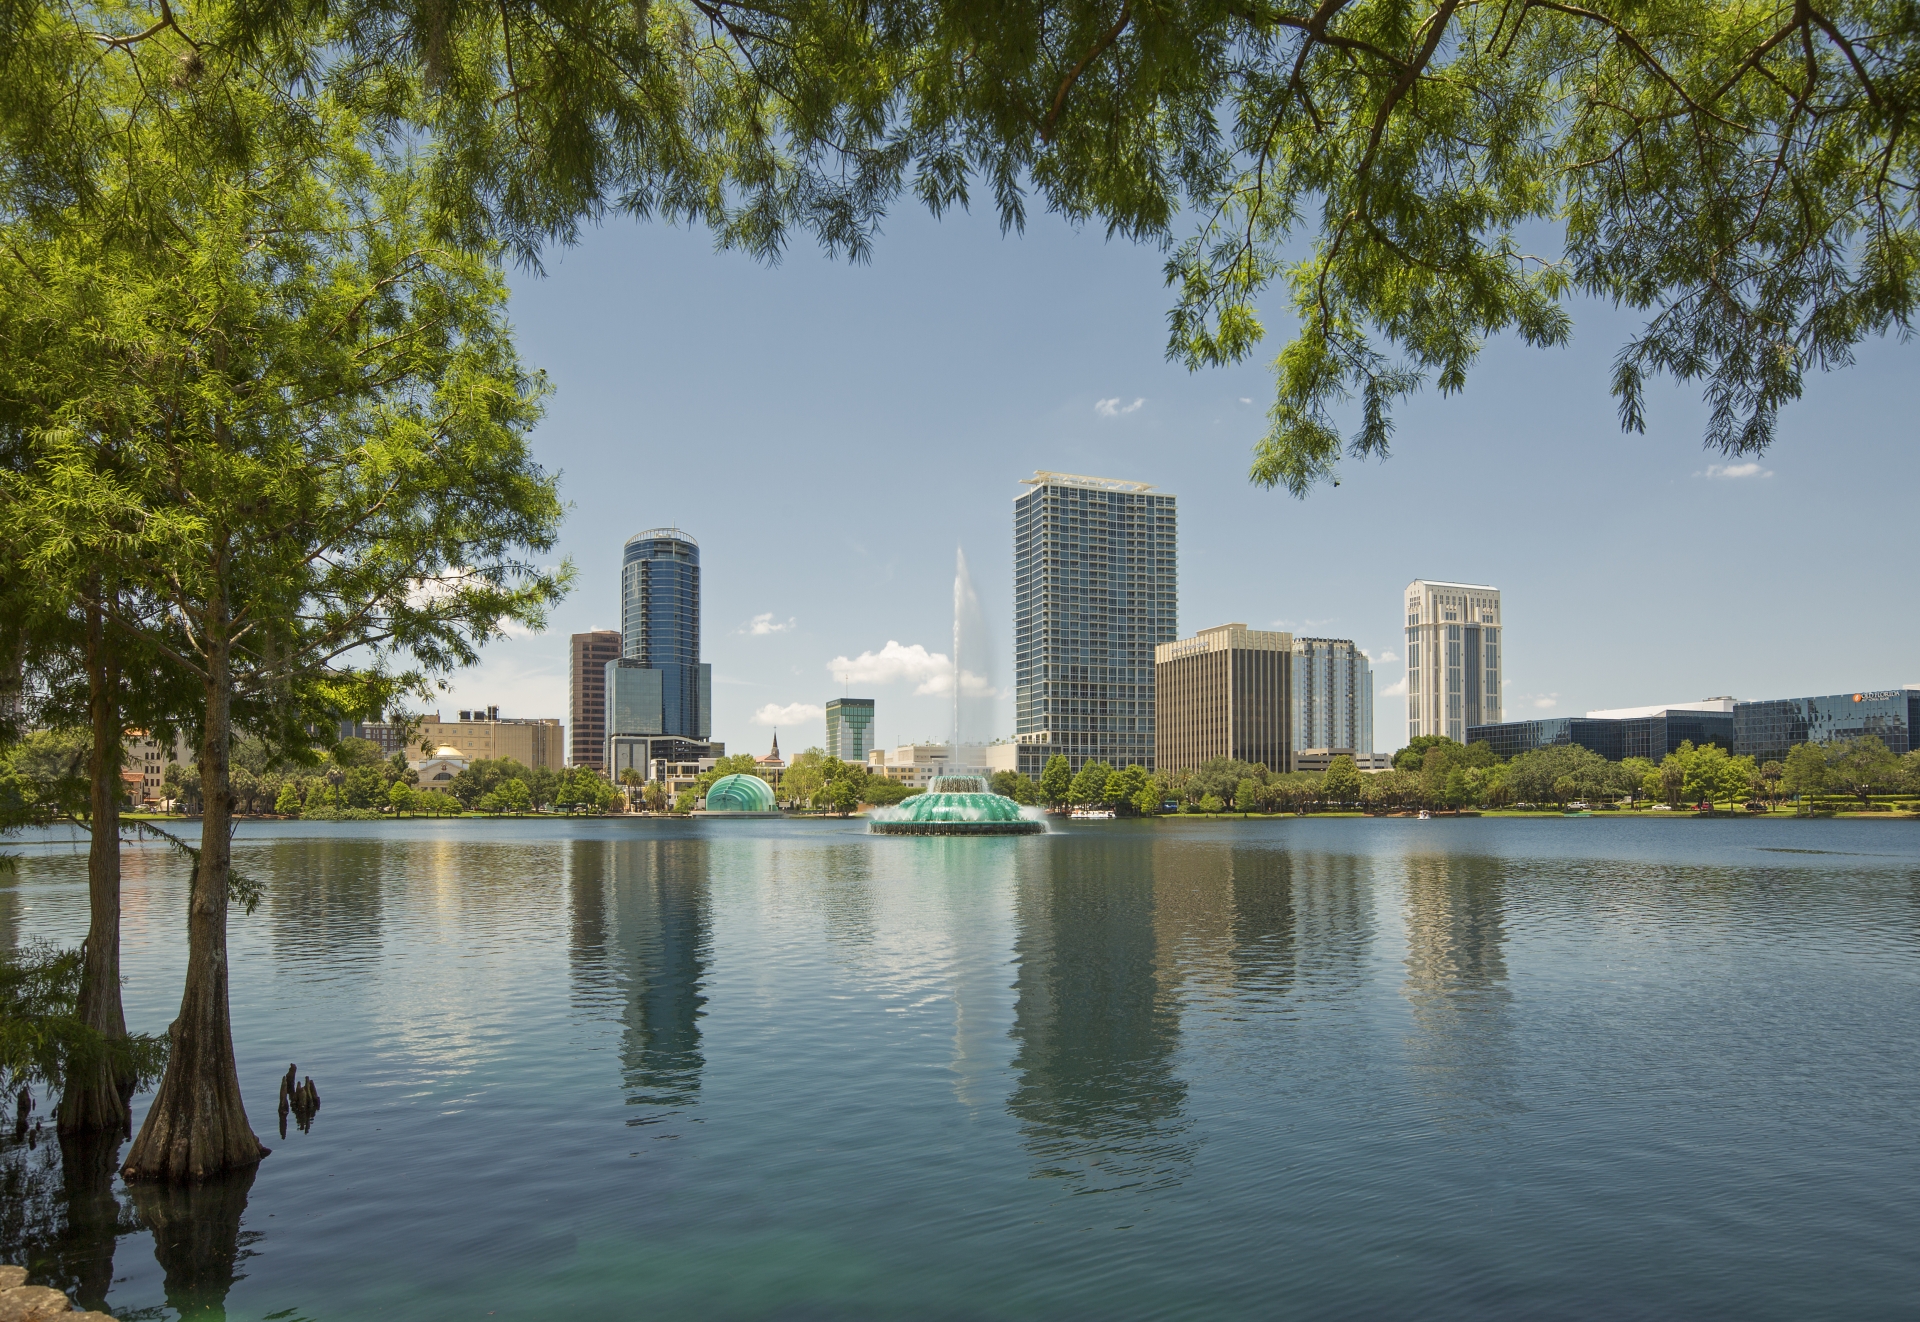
(747, 1070)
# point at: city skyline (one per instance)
(945, 413)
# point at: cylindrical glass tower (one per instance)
(660, 599)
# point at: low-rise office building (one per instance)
(915, 765)
(484, 733)
(1319, 759)
(1650, 732)
(1767, 730)
(1763, 730)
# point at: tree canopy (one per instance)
(1405, 177)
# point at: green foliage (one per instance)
(287, 802)
(1089, 785)
(1341, 783)
(1015, 786)
(1561, 774)
(1147, 801)
(882, 792)
(1124, 788)
(584, 790)
(1862, 766)
(41, 1034)
(1056, 781)
(44, 777)
(1212, 803)
(1249, 795)
(1414, 756)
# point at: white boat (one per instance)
(1425, 816)
(1093, 814)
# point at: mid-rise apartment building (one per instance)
(1095, 590)
(1453, 657)
(850, 728)
(1332, 696)
(1225, 692)
(587, 685)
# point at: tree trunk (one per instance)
(96, 1096)
(198, 1126)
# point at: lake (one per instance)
(1344, 1068)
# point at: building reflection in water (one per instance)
(1097, 1097)
(659, 946)
(1302, 924)
(324, 897)
(1456, 980)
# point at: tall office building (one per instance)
(659, 695)
(1225, 692)
(1095, 590)
(1332, 696)
(1453, 658)
(587, 681)
(850, 729)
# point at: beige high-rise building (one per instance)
(1225, 692)
(1453, 657)
(484, 734)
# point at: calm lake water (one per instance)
(1304, 1069)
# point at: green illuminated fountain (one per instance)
(956, 805)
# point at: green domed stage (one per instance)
(955, 805)
(740, 796)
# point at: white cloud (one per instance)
(1397, 689)
(928, 672)
(1748, 469)
(794, 713)
(1385, 655)
(1545, 700)
(1245, 400)
(763, 624)
(1113, 408)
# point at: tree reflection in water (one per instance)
(59, 1217)
(1098, 1100)
(197, 1239)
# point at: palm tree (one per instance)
(631, 778)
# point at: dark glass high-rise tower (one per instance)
(660, 599)
(659, 686)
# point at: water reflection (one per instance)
(197, 1239)
(1302, 924)
(1456, 979)
(324, 895)
(663, 941)
(59, 1216)
(1097, 1097)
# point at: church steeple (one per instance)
(775, 755)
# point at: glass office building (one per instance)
(1767, 730)
(1095, 589)
(1453, 658)
(850, 729)
(1651, 736)
(659, 685)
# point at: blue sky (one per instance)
(831, 433)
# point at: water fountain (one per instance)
(956, 805)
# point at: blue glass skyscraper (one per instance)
(658, 687)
